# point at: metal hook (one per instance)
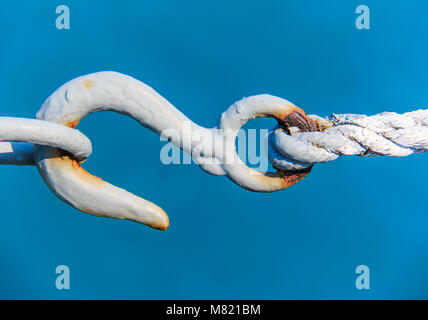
(123, 94)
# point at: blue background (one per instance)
(224, 242)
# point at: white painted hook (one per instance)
(123, 94)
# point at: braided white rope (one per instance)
(384, 134)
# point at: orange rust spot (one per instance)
(160, 225)
(292, 116)
(291, 178)
(72, 124)
(68, 163)
(283, 114)
(85, 175)
(75, 164)
(284, 179)
(279, 180)
(296, 118)
(87, 84)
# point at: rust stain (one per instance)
(290, 178)
(292, 117)
(296, 118)
(72, 124)
(67, 162)
(87, 84)
(159, 225)
(284, 179)
(85, 175)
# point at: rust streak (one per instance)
(296, 118)
(72, 124)
(85, 175)
(67, 162)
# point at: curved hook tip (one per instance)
(91, 194)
